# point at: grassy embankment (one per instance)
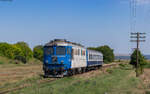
(14, 75)
(119, 80)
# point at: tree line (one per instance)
(21, 51)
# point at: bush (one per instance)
(21, 58)
(147, 65)
(26, 51)
(109, 71)
(9, 51)
(38, 52)
(126, 66)
(5, 49)
(141, 60)
(19, 51)
(1, 62)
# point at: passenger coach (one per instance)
(62, 58)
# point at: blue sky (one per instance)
(89, 22)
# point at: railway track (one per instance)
(105, 66)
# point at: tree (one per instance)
(107, 52)
(8, 50)
(38, 52)
(19, 51)
(26, 51)
(141, 60)
(5, 50)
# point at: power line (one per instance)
(133, 11)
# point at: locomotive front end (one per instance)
(57, 60)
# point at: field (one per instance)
(116, 80)
(12, 75)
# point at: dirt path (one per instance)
(18, 73)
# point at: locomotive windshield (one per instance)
(49, 50)
(60, 50)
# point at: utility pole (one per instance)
(137, 37)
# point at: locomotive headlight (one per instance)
(62, 62)
(46, 61)
(69, 60)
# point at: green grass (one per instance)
(1, 62)
(118, 81)
(6, 62)
(28, 81)
(147, 65)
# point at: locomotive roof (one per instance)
(56, 41)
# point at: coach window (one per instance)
(72, 54)
(83, 53)
(78, 51)
(96, 56)
(90, 56)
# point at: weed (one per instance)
(1, 62)
(87, 82)
(129, 92)
(109, 71)
(147, 65)
(126, 66)
(147, 92)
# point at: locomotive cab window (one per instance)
(60, 50)
(68, 51)
(49, 50)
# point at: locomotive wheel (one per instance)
(83, 70)
(70, 73)
(79, 70)
(74, 71)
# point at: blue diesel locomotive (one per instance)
(63, 58)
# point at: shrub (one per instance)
(126, 66)
(19, 51)
(26, 51)
(109, 71)
(9, 51)
(38, 52)
(141, 60)
(21, 58)
(5, 49)
(147, 65)
(1, 62)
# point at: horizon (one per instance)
(90, 23)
